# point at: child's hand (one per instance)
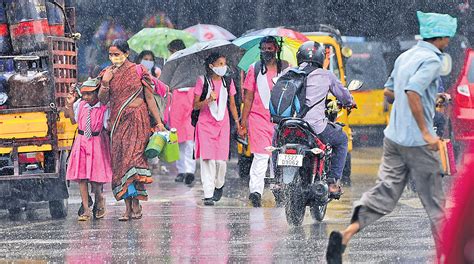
(71, 97)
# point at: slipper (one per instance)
(124, 218)
(335, 248)
(336, 195)
(81, 208)
(100, 211)
(83, 218)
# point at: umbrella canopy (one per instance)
(107, 32)
(205, 32)
(251, 44)
(157, 40)
(183, 67)
(279, 32)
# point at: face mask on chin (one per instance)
(221, 71)
(267, 56)
(147, 64)
(117, 61)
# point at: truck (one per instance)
(35, 136)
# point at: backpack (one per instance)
(226, 81)
(288, 95)
(161, 91)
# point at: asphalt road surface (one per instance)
(177, 228)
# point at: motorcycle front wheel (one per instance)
(318, 212)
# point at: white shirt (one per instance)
(75, 108)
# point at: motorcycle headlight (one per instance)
(3, 98)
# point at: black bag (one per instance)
(288, 95)
(195, 113)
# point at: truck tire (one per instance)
(58, 208)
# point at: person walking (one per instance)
(256, 114)
(180, 118)
(89, 162)
(131, 100)
(214, 98)
(410, 144)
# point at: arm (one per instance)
(416, 107)
(69, 110)
(389, 95)
(248, 101)
(199, 104)
(104, 90)
(152, 107)
(339, 91)
(233, 110)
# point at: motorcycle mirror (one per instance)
(446, 64)
(346, 52)
(355, 85)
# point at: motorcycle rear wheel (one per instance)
(295, 205)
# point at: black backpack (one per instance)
(226, 81)
(288, 95)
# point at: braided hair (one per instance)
(278, 44)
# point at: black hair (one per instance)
(176, 44)
(274, 41)
(121, 44)
(213, 57)
(433, 39)
(144, 53)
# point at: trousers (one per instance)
(212, 175)
(399, 164)
(258, 169)
(186, 163)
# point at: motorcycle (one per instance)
(301, 164)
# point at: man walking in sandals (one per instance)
(410, 144)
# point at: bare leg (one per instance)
(136, 209)
(84, 190)
(99, 200)
(128, 206)
(349, 232)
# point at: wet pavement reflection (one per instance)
(177, 228)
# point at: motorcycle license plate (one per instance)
(290, 160)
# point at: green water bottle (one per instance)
(171, 150)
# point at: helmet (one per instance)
(311, 52)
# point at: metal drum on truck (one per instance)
(55, 18)
(28, 24)
(5, 44)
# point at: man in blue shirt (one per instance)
(410, 143)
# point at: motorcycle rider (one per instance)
(256, 114)
(319, 83)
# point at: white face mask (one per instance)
(148, 64)
(221, 71)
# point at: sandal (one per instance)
(335, 248)
(137, 215)
(100, 211)
(335, 194)
(124, 218)
(84, 217)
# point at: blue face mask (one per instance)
(148, 64)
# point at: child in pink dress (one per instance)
(89, 161)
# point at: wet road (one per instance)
(177, 228)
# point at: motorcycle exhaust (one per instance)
(320, 192)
